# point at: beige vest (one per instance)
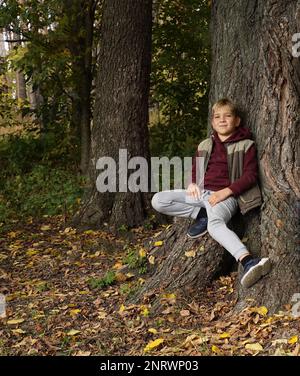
(235, 156)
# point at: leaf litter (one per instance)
(66, 294)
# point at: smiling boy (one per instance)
(230, 183)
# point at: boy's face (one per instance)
(224, 122)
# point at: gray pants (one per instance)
(176, 203)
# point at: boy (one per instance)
(230, 181)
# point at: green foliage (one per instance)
(32, 183)
(100, 283)
(12, 110)
(44, 59)
(135, 261)
(180, 76)
(53, 34)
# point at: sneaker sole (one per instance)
(256, 272)
(197, 236)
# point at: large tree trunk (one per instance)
(254, 66)
(121, 108)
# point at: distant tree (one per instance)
(54, 43)
(121, 108)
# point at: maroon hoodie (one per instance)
(216, 175)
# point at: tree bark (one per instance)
(21, 86)
(21, 91)
(121, 108)
(81, 16)
(253, 65)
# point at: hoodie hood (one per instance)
(241, 133)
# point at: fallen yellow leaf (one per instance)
(169, 296)
(152, 330)
(151, 260)
(260, 310)
(224, 335)
(142, 253)
(73, 332)
(144, 311)
(190, 253)
(74, 312)
(293, 340)
(31, 252)
(89, 232)
(254, 346)
(18, 331)
(45, 228)
(158, 243)
(215, 349)
(153, 344)
(15, 321)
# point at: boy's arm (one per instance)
(250, 173)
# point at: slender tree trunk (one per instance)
(20, 78)
(81, 20)
(121, 107)
(3, 53)
(21, 86)
(253, 65)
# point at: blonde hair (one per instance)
(226, 102)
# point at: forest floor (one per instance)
(66, 295)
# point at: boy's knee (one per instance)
(155, 202)
(213, 225)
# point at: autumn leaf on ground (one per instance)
(260, 310)
(224, 335)
(254, 346)
(142, 252)
(153, 344)
(293, 340)
(73, 332)
(45, 228)
(190, 253)
(15, 321)
(185, 312)
(74, 312)
(215, 349)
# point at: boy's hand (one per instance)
(194, 191)
(219, 196)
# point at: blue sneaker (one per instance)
(199, 228)
(254, 270)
